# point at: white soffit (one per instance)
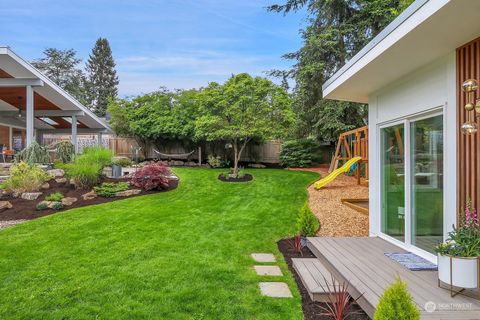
(17, 67)
(426, 31)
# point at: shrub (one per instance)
(307, 222)
(57, 196)
(214, 161)
(297, 153)
(396, 303)
(87, 168)
(65, 151)
(57, 206)
(34, 153)
(58, 164)
(25, 178)
(122, 162)
(85, 175)
(108, 190)
(99, 155)
(152, 176)
(41, 206)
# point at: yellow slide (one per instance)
(334, 174)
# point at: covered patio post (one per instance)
(74, 132)
(30, 115)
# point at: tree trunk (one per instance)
(235, 158)
(238, 154)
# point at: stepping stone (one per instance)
(275, 289)
(263, 257)
(268, 271)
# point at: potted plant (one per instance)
(118, 164)
(458, 256)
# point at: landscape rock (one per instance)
(45, 186)
(61, 180)
(89, 196)
(56, 173)
(191, 164)
(68, 201)
(4, 205)
(128, 193)
(30, 195)
(178, 163)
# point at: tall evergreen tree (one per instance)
(102, 76)
(61, 66)
(336, 30)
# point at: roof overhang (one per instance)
(424, 32)
(50, 100)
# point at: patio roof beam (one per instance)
(15, 82)
(48, 113)
(69, 131)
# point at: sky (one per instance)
(178, 44)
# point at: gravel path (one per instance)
(338, 220)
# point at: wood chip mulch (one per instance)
(338, 220)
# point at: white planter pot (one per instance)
(464, 271)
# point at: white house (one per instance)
(32, 105)
(422, 167)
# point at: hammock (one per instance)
(178, 155)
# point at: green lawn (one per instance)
(184, 254)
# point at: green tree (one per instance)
(336, 30)
(156, 118)
(61, 66)
(102, 76)
(396, 303)
(242, 109)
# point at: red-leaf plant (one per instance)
(339, 300)
(152, 176)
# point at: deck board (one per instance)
(361, 262)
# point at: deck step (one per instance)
(315, 278)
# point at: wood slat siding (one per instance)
(468, 153)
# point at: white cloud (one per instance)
(187, 69)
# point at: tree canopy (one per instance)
(242, 109)
(156, 118)
(336, 30)
(102, 76)
(62, 67)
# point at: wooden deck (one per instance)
(361, 262)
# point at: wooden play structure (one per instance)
(352, 144)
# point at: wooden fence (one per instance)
(268, 152)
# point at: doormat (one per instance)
(412, 261)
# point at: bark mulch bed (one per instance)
(311, 310)
(26, 209)
(245, 178)
(338, 220)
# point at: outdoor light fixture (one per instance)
(19, 115)
(470, 87)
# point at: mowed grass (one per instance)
(183, 254)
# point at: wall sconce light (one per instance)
(470, 87)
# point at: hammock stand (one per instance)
(179, 155)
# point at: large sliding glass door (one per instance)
(426, 144)
(412, 181)
(393, 181)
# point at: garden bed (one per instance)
(26, 209)
(312, 310)
(246, 177)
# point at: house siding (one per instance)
(432, 87)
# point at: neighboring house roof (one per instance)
(425, 31)
(47, 97)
